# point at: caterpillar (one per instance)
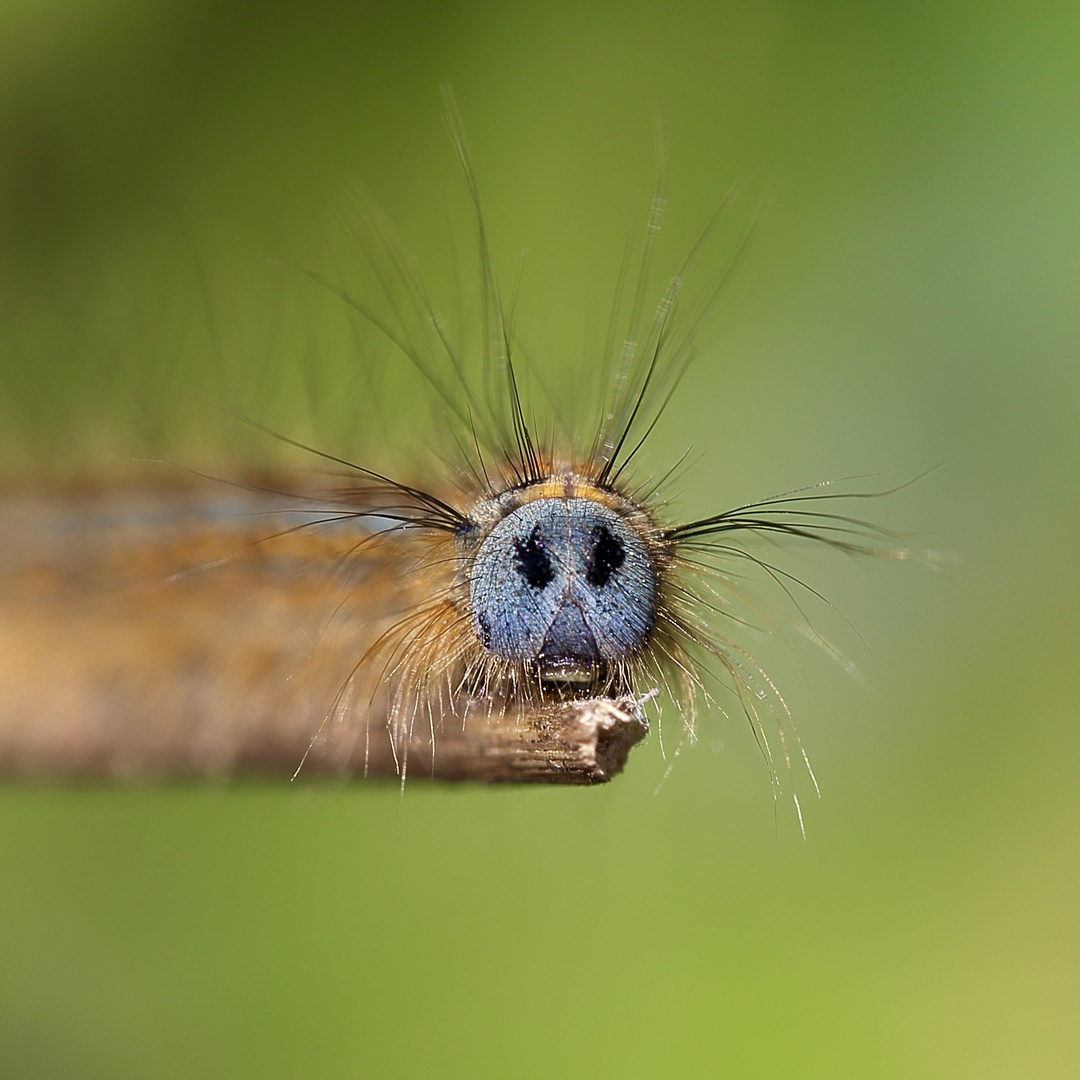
(535, 589)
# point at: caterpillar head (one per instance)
(562, 577)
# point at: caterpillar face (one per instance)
(565, 578)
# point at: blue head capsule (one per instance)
(565, 582)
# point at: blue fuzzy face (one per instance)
(567, 583)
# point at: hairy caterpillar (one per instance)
(538, 581)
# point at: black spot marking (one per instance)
(607, 555)
(484, 627)
(533, 563)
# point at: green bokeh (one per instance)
(911, 298)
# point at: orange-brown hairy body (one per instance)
(143, 633)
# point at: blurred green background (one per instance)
(911, 298)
